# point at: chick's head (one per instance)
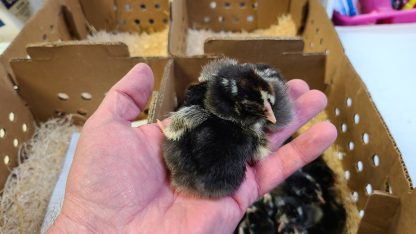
(239, 94)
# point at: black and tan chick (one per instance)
(306, 203)
(219, 129)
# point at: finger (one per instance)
(306, 107)
(128, 97)
(297, 88)
(294, 155)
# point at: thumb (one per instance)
(128, 97)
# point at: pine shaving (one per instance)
(28, 188)
(331, 157)
(284, 27)
(139, 44)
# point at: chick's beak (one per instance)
(269, 112)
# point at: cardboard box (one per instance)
(73, 20)
(391, 207)
(222, 15)
(376, 172)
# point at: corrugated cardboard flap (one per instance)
(267, 46)
(74, 77)
(16, 126)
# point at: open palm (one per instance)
(118, 181)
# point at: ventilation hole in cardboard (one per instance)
(227, 5)
(366, 138)
(82, 112)
(212, 5)
(369, 189)
(44, 37)
(254, 5)
(344, 127)
(349, 102)
(2, 133)
(207, 19)
(51, 27)
(146, 111)
(376, 160)
(137, 21)
(359, 166)
(321, 41)
(312, 21)
(356, 118)
(221, 19)
(59, 113)
(143, 7)
(347, 174)
(15, 142)
(157, 6)
(6, 159)
(242, 4)
(316, 30)
(354, 196)
(165, 20)
(24, 127)
(337, 111)
(361, 213)
(340, 155)
(151, 21)
(250, 18)
(351, 146)
(236, 19)
(127, 7)
(63, 96)
(11, 117)
(86, 96)
(311, 44)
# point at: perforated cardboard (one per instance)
(375, 161)
(372, 161)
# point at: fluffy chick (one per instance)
(219, 129)
(307, 202)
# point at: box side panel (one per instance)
(127, 15)
(370, 157)
(265, 46)
(78, 76)
(166, 100)
(319, 33)
(16, 127)
(178, 28)
(232, 15)
(56, 20)
(101, 14)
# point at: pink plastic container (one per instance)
(376, 12)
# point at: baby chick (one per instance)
(307, 203)
(219, 129)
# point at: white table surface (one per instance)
(385, 58)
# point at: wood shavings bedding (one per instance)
(139, 44)
(331, 157)
(284, 27)
(28, 188)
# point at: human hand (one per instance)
(118, 181)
